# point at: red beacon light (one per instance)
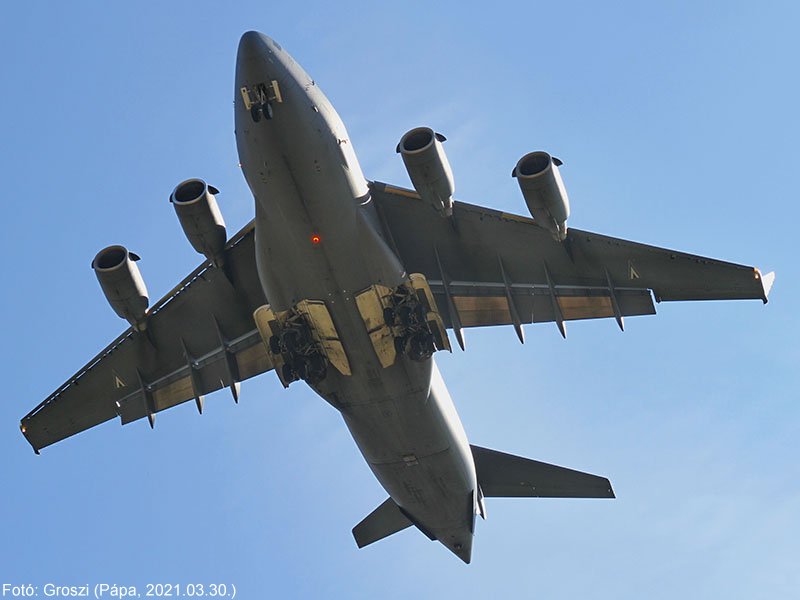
(315, 239)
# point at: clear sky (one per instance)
(677, 123)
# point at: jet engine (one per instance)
(200, 218)
(428, 167)
(122, 283)
(544, 192)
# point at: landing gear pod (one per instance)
(122, 284)
(302, 342)
(200, 218)
(402, 320)
(428, 167)
(544, 192)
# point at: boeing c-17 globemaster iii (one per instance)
(351, 285)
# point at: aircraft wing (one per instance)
(199, 338)
(487, 267)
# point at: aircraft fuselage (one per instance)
(318, 237)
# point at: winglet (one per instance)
(766, 283)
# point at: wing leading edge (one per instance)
(487, 267)
(200, 337)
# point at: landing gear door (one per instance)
(372, 303)
(269, 327)
(423, 290)
(322, 328)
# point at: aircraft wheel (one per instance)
(315, 377)
(316, 369)
(388, 316)
(291, 339)
(302, 368)
(266, 108)
(304, 337)
(255, 112)
(400, 344)
(288, 373)
(421, 347)
(275, 344)
(404, 314)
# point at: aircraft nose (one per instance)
(252, 45)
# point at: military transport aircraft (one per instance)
(350, 285)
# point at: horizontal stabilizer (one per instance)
(507, 476)
(380, 523)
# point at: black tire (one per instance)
(404, 314)
(388, 316)
(317, 369)
(304, 335)
(275, 344)
(316, 363)
(421, 347)
(301, 365)
(266, 108)
(400, 344)
(291, 339)
(255, 112)
(288, 373)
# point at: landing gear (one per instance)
(421, 346)
(311, 369)
(275, 344)
(288, 373)
(415, 336)
(403, 320)
(302, 342)
(417, 347)
(302, 359)
(259, 99)
(257, 110)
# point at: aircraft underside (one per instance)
(350, 286)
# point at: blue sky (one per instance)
(677, 124)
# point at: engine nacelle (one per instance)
(544, 192)
(200, 218)
(122, 283)
(428, 167)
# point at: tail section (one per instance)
(499, 475)
(389, 518)
(503, 475)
